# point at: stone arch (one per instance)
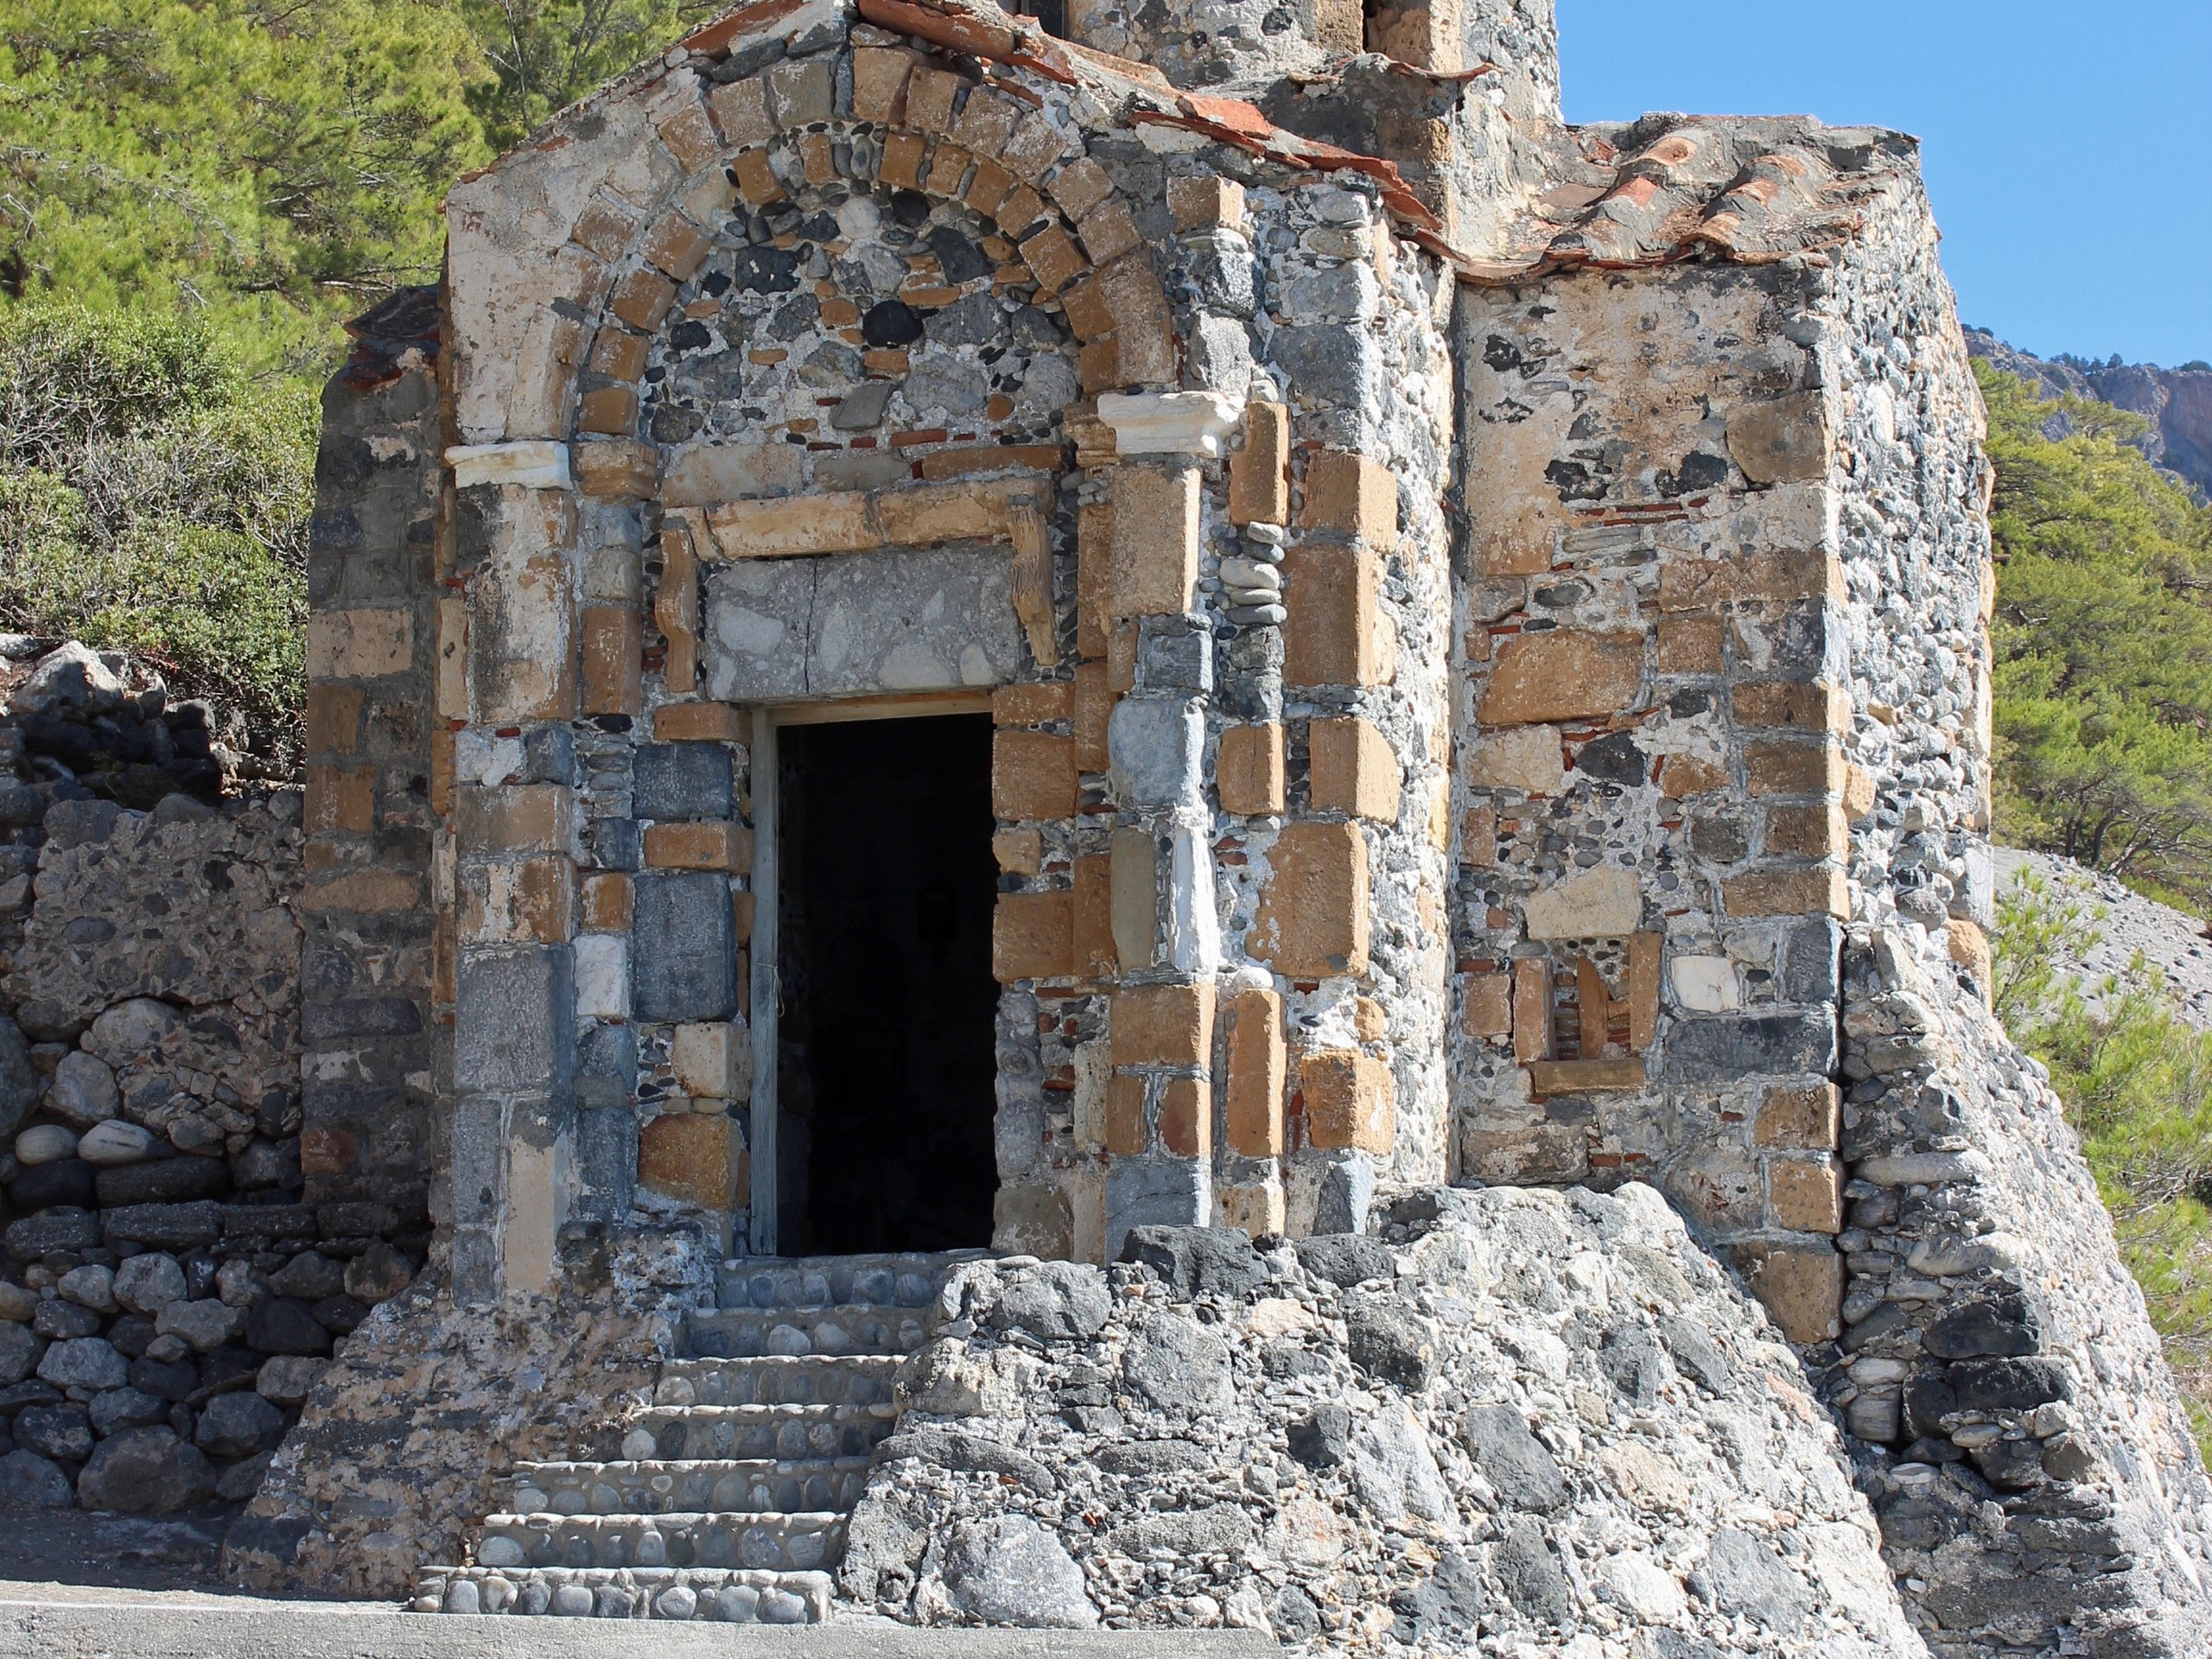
(877, 121)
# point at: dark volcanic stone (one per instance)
(891, 323)
(2000, 1325)
(1345, 1259)
(1394, 1345)
(144, 1471)
(62, 1432)
(1530, 1573)
(1513, 1460)
(1318, 1441)
(2007, 1384)
(285, 1324)
(67, 1180)
(1177, 1366)
(1054, 1301)
(1198, 1261)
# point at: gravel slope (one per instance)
(2171, 940)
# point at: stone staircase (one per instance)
(730, 1498)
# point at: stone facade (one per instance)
(1484, 627)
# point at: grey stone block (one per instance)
(1345, 1194)
(607, 1160)
(479, 1161)
(1328, 363)
(675, 781)
(607, 1065)
(475, 1264)
(549, 755)
(1723, 1050)
(1155, 745)
(1174, 653)
(1812, 962)
(366, 1016)
(685, 965)
(1171, 1192)
(514, 1020)
(614, 843)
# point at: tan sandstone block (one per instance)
(1785, 768)
(709, 1058)
(880, 84)
(1312, 920)
(724, 846)
(1249, 770)
(1205, 204)
(1353, 769)
(1562, 674)
(609, 903)
(617, 468)
(1155, 539)
(1799, 1285)
(1781, 578)
(1019, 852)
(694, 1156)
(1332, 636)
(1532, 1010)
(1808, 1115)
(1806, 831)
(610, 641)
(1093, 915)
(1258, 1066)
(1125, 1127)
(1858, 793)
(1036, 702)
(1163, 1025)
(513, 818)
(930, 96)
(340, 800)
(1094, 708)
(1350, 1100)
(1783, 440)
(1033, 776)
(1805, 1195)
(688, 134)
(1487, 1010)
(701, 722)
(676, 247)
(1683, 775)
(1525, 757)
(359, 645)
(334, 719)
(1801, 705)
(1691, 645)
(1186, 1117)
(1259, 474)
(1094, 578)
(1820, 892)
(1033, 936)
(1258, 1210)
(1968, 946)
(1349, 492)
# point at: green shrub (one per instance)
(2137, 1081)
(153, 499)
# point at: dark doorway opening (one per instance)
(887, 1040)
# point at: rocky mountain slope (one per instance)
(2177, 402)
(2127, 926)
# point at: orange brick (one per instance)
(442, 763)
(701, 722)
(1479, 837)
(741, 111)
(757, 181)
(1199, 204)
(879, 85)
(1349, 492)
(1332, 636)
(1155, 539)
(610, 640)
(340, 800)
(1036, 703)
(688, 134)
(1259, 474)
(608, 904)
(1052, 258)
(1313, 916)
(1033, 775)
(619, 354)
(1352, 769)
(724, 846)
(1085, 310)
(642, 298)
(1249, 770)
(1488, 1011)
(901, 166)
(1350, 1100)
(1805, 1195)
(1033, 936)
(677, 246)
(1808, 1115)
(334, 719)
(693, 1157)
(1125, 1126)
(1258, 1064)
(1186, 1117)
(1163, 1025)
(740, 917)
(1022, 209)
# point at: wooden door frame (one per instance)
(768, 719)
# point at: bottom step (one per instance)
(677, 1593)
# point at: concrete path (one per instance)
(60, 1621)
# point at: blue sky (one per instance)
(2063, 144)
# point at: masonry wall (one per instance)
(1651, 794)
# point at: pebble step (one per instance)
(779, 1380)
(734, 1486)
(759, 1431)
(835, 1281)
(844, 1328)
(774, 1539)
(677, 1593)
(658, 1487)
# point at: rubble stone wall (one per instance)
(172, 1285)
